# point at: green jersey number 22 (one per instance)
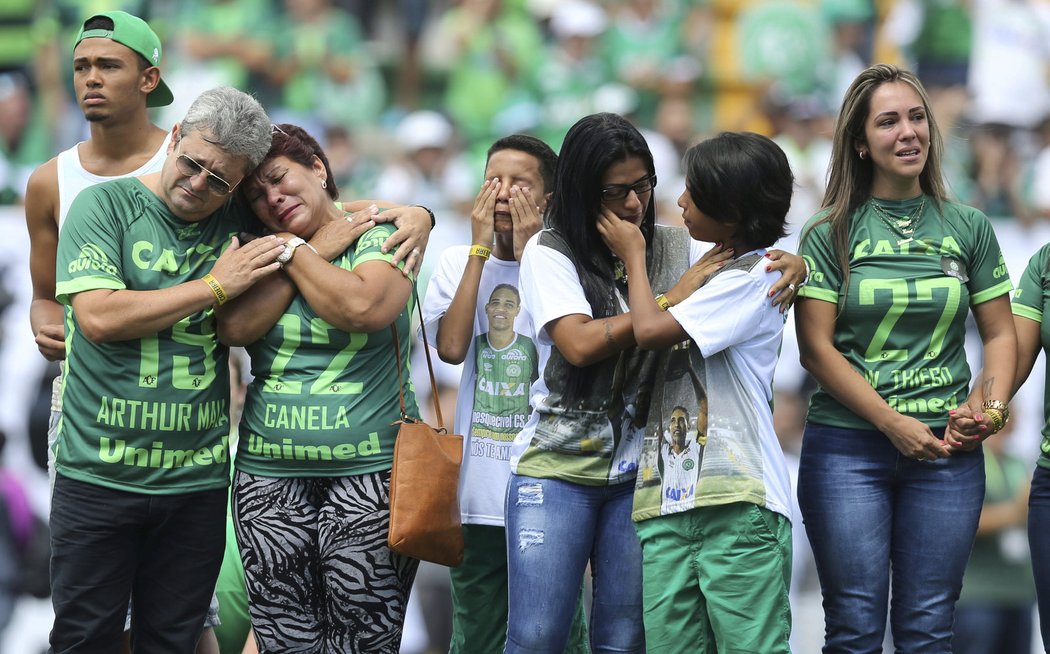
(326, 383)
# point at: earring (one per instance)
(324, 183)
(863, 154)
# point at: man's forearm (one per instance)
(124, 315)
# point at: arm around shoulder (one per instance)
(365, 299)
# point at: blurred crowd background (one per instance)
(407, 95)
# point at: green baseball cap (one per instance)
(133, 32)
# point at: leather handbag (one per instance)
(424, 482)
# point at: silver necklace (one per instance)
(903, 226)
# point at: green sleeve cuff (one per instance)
(379, 256)
(825, 294)
(64, 291)
(1027, 312)
(1002, 288)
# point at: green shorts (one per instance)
(479, 597)
(717, 576)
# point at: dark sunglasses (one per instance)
(190, 168)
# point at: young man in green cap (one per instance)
(116, 79)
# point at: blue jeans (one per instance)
(871, 514)
(553, 529)
(1039, 542)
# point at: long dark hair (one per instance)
(591, 147)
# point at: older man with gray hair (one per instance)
(139, 503)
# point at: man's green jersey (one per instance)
(322, 401)
(901, 321)
(147, 415)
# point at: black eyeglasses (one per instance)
(620, 191)
(190, 168)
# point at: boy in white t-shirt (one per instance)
(730, 591)
(473, 306)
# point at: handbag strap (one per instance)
(430, 366)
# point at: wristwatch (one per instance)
(289, 250)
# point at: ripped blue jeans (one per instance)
(554, 528)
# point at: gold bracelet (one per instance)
(662, 302)
(480, 251)
(216, 288)
(999, 406)
(996, 416)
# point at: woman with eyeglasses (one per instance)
(574, 463)
(311, 486)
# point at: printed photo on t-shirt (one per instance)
(506, 367)
(673, 451)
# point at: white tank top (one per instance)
(72, 178)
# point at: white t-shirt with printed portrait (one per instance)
(491, 406)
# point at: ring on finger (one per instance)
(791, 286)
(920, 458)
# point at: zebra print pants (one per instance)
(319, 573)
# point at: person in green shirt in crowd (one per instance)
(323, 69)
(490, 59)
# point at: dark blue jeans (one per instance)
(108, 546)
(1039, 542)
(873, 515)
